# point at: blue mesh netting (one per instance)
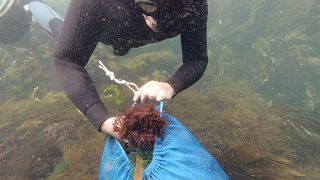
(177, 155)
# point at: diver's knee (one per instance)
(55, 25)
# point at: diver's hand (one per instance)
(107, 127)
(154, 90)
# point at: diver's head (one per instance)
(166, 12)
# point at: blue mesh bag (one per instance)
(176, 155)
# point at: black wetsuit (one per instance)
(121, 24)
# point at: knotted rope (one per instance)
(132, 86)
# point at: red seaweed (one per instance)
(140, 126)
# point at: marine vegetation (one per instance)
(114, 92)
(274, 45)
(250, 162)
(140, 126)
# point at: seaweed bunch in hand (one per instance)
(140, 126)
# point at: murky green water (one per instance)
(260, 92)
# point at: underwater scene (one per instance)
(256, 109)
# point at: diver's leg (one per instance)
(54, 25)
(46, 17)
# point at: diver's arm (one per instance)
(195, 60)
(194, 50)
(78, 38)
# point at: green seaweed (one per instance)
(59, 168)
(114, 92)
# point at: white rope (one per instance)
(132, 86)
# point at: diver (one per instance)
(16, 18)
(124, 24)
(127, 24)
